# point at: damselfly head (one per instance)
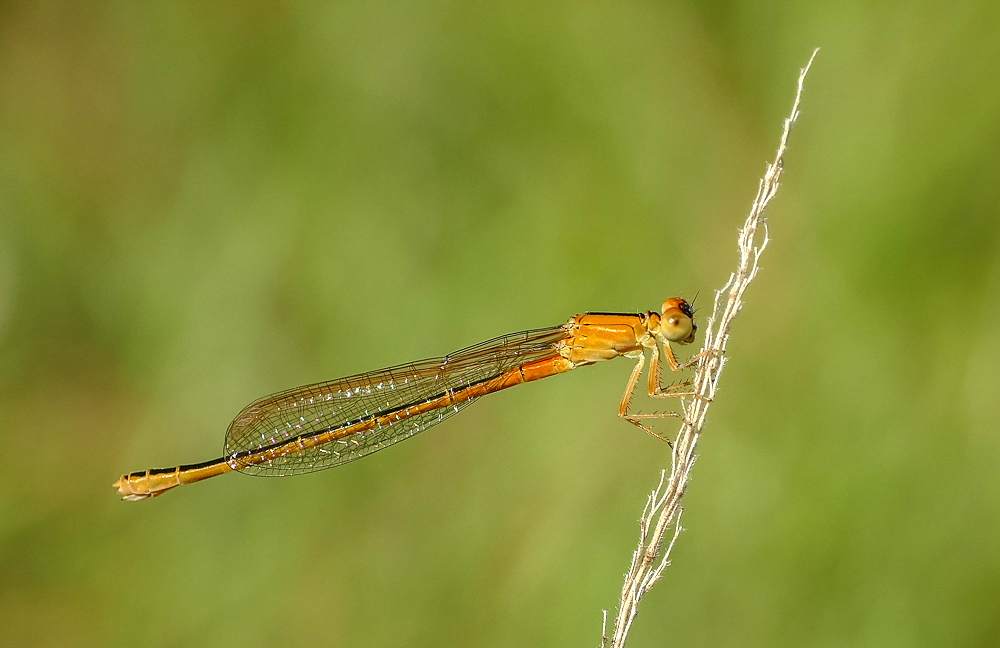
(677, 321)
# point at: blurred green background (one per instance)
(204, 203)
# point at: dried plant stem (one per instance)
(663, 508)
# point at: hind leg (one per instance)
(636, 419)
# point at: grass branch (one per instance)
(663, 506)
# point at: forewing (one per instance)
(319, 408)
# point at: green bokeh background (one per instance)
(204, 203)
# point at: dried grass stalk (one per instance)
(663, 509)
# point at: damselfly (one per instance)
(331, 423)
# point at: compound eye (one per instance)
(676, 326)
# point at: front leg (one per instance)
(656, 388)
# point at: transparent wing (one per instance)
(311, 410)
